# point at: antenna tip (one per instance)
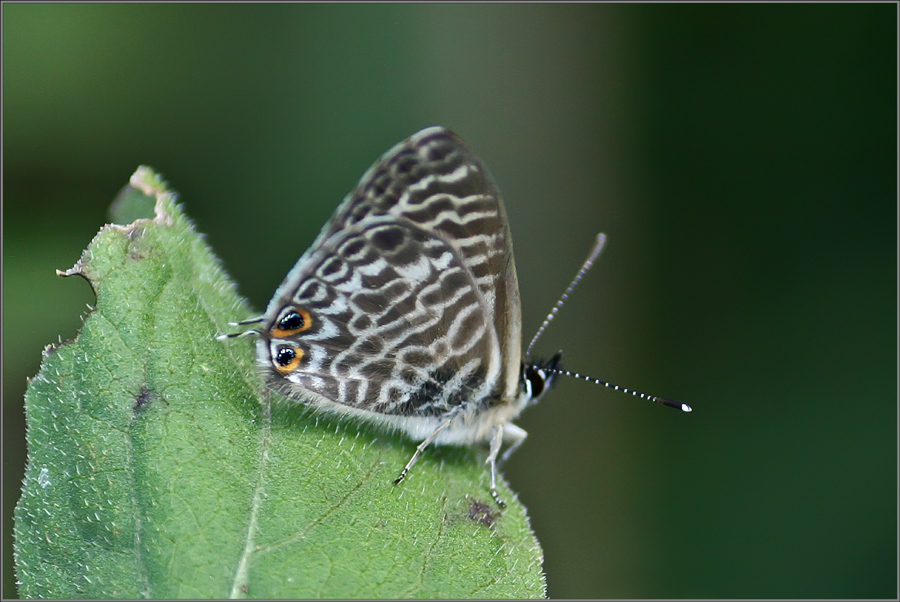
(673, 404)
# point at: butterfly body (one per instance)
(405, 311)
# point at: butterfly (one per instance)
(405, 310)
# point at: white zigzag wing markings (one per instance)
(411, 293)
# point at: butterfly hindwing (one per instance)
(410, 291)
(394, 319)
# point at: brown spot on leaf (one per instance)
(481, 513)
(143, 397)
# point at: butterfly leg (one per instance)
(511, 434)
(515, 436)
(420, 449)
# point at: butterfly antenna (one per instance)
(666, 402)
(592, 257)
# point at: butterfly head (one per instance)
(538, 376)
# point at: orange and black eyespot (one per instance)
(287, 358)
(293, 321)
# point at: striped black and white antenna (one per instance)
(591, 258)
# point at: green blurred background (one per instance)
(741, 158)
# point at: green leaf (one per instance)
(160, 467)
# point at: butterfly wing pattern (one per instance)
(405, 310)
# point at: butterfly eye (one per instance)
(287, 358)
(293, 321)
(537, 381)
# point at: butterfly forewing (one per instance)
(407, 296)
